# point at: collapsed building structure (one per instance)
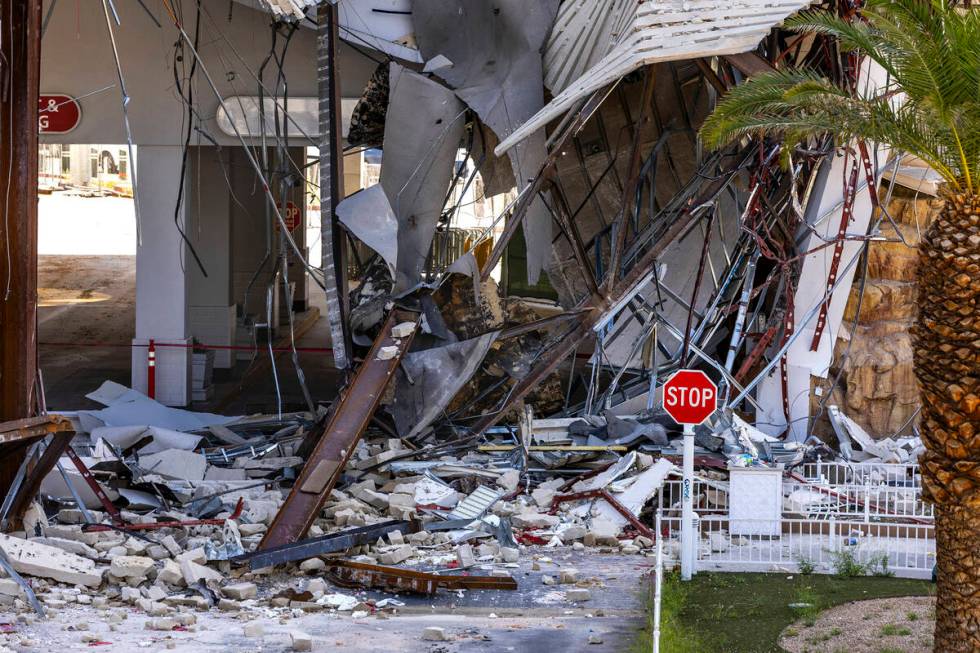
(469, 414)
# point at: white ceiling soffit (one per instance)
(240, 115)
(620, 37)
(383, 25)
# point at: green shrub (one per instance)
(846, 564)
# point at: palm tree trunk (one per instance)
(947, 365)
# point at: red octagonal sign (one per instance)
(690, 396)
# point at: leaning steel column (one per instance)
(332, 238)
(20, 70)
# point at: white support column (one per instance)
(161, 285)
(210, 305)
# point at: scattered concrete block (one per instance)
(240, 591)
(252, 529)
(130, 594)
(254, 629)
(10, 587)
(397, 555)
(548, 580)
(312, 564)
(594, 639)
(403, 330)
(509, 480)
(193, 555)
(193, 572)
(718, 542)
(487, 549)
(509, 554)
(396, 537)
(71, 546)
(534, 520)
(568, 576)
(543, 496)
(130, 566)
(464, 555)
(161, 623)
(572, 533)
(170, 544)
(387, 353)
(578, 594)
(171, 573)
(434, 634)
(301, 641)
(46, 561)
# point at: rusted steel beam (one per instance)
(395, 579)
(21, 53)
(354, 410)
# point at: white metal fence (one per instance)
(836, 517)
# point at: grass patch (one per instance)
(892, 630)
(745, 613)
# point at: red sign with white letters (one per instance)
(57, 114)
(690, 396)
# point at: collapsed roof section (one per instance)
(636, 34)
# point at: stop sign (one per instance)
(291, 216)
(690, 396)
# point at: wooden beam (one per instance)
(20, 51)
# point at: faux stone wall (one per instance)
(877, 387)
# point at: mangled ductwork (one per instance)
(496, 69)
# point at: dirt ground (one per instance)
(899, 625)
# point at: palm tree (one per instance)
(930, 109)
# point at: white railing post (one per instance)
(867, 504)
(819, 476)
(659, 570)
(833, 533)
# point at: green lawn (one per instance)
(745, 613)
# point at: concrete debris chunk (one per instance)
(578, 594)
(36, 559)
(312, 565)
(130, 566)
(397, 555)
(403, 330)
(193, 572)
(240, 591)
(253, 629)
(434, 634)
(301, 641)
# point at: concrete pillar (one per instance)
(210, 305)
(161, 285)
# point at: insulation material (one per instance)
(123, 437)
(422, 134)
(431, 379)
(641, 490)
(496, 69)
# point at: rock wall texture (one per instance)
(873, 356)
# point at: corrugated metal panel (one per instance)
(659, 31)
(585, 31)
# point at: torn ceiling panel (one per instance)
(495, 50)
(431, 379)
(664, 31)
(423, 129)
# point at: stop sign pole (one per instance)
(689, 397)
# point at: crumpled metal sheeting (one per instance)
(423, 129)
(368, 215)
(431, 378)
(497, 70)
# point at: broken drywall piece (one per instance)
(847, 430)
(368, 215)
(431, 378)
(126, 407)
(35, 559)
(423, 128)
(123, 437)
(176, 463)
(640, 491)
